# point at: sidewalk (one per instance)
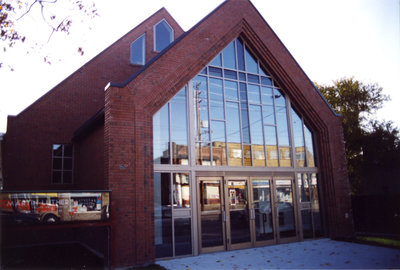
(313, 254)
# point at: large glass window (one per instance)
(172, 214)
(62, 164)
(163, 35)
(170, 139)
(138, 50)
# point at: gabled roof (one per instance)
(185, 57)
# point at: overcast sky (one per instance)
(330, 39)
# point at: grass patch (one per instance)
(387, 242)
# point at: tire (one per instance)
(50, 218)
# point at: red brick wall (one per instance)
(58, 114)
(128, 125)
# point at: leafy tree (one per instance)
(355, 102)
(13, 11)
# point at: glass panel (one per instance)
(235, 154)
(298, 139)
(242, 76)
(56, 178)
(309, 147)
(229, 57)
(179, 129)
(230, 74)
(161, 136)
(253, 92)
(67, 164)
(256, 125)
(181, 190)
(216, 61)
(269, 115)
(283, 137)
(251, 63)
(217, 72)
(219, 146)
(304, 187)
(57, 163)
(307, 223)
(232, 122)
(216, 99)
(238, 211)
(162, 215)
(67, 150)
(270, 143)
(240, 54)
(266, 81)
(211, 222)
(262, 209)
(253, 78)
(183, 239)
(163, 35)
(211, 230)
(138, 48)
(244, 113)
(57, 150)
(279, 98)
(67, 177)
(257, 137)
(267, 95)
(201, 108)
(284, 195)
(203, 156)
(247, 155)
(315, 206)
(231, 90)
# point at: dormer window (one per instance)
(138, 50)
(163, 35)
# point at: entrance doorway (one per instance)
(242, 212)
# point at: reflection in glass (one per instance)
(219, 146)
(238, 211)
(309, 147)
(231, 90)
(271, 147)
(256, 131)
(181, 190)
(216, 99)
(203, 155)
(161, 136)
(304, 187)
(267, 95)
(298, 139)
(211, 230)
(307, 223)
(229, 56)
(201, 108)
(216, 61)
(162, 215)
(211, 215)
(251, 64)
(183, 239)
(138, 50)
(247, 155)
(240, 54)
(283, 137)
(263, 210)
(178, 129)
(253, 93)
(284, 196)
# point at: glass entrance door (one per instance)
(238, 213)
(273, 211)
(224, 220)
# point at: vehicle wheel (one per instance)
(50, 218)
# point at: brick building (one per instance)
(212, 139)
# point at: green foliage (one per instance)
(369, 144)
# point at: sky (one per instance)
(329, 39)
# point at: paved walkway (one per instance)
(315, 254)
